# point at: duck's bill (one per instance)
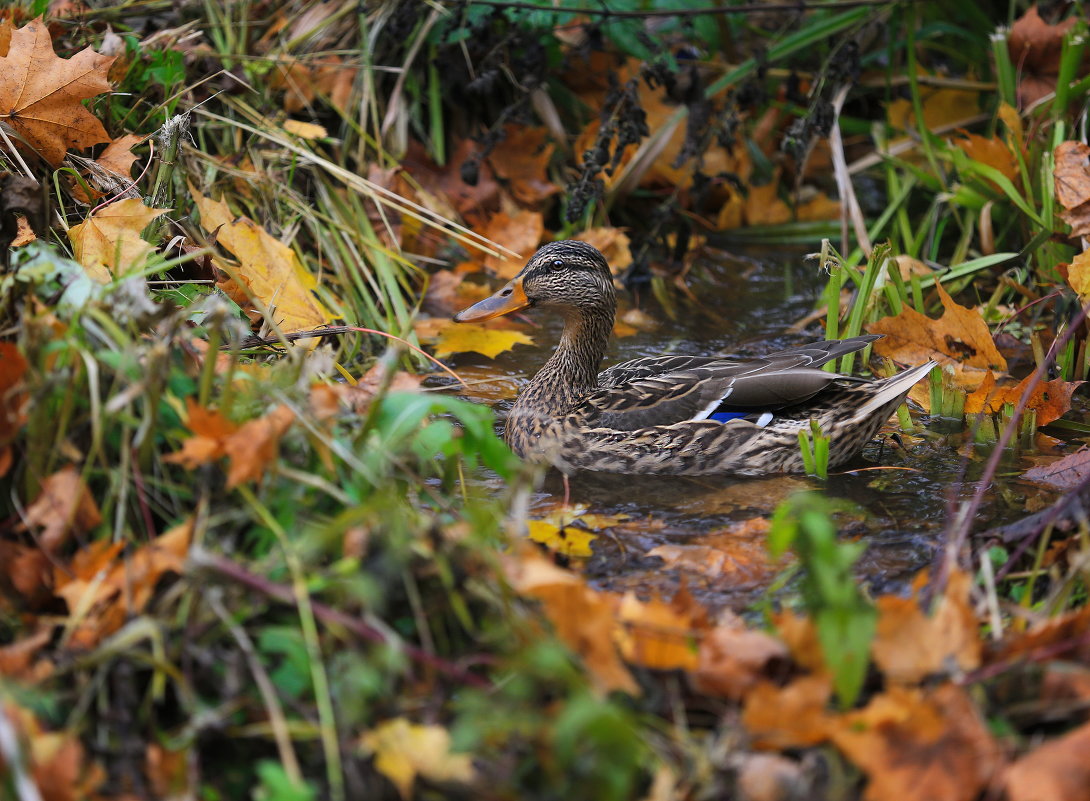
(509, 299)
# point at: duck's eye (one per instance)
(558, 263)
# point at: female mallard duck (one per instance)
(683, 415)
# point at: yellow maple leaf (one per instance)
(465, 337)
(570, 531)
(108, 242)
(268, 269)
(405, 750)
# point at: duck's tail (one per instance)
(893, 390)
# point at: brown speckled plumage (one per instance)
(647, 415)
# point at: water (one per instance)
(708, 532)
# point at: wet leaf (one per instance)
(1078, 275)
(910, 645)
(41, 95)
(521, 233)
(404, 750)
(567, 530)
(959, 337)
(917, 746)
(108, 242)
(471, 337)
(942, 107)
(1050, 399)
(582, 618)
(63, 505)
(268, 269)
(1065, 473)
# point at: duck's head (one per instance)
(570, 277)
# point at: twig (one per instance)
(200, 559)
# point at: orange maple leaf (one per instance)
(41, 94)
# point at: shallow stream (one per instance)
(709, 533)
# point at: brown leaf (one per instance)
(733, 659)
(960, 336)
(992, 152)
(13, 399)
(909, 645)
(1063, 474)
(920, 747)
(583, 619)
(41, 94)
(17, 658)
(254, 446)
(788, 717)
(1071, 174)
(520, 233)
(1035, 48)
(1078, 275)
(63, 505)
(657, 635)
(59, 768)
(521, 159)
(118, 157)
(1050, 399)
(210, 432)
(613, 244)
(1055, 771)
(405, 750)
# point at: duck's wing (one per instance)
(673, 389)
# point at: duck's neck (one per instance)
(573, 369)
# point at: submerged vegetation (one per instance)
(257, 540)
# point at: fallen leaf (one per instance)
(476, 338)
(254, 446)
(612, 243)
(59, 768)
(657, 635)
(1054, 771)
(567, 530)
(739, 551)
(108, 242)
(118, 157)
(305, 130)
(41, 95)
(13, 400)
(210, 432)
(1078, 275)
(992, 152)
(910, 645)
(1063, 637)
(405, 750)
(1063, 474)
(17, 658)
(960, 337)
(917, 746)
(520, 233)
(732, 660)
(770, 777)
(942, 107)
(63, 505)
(269, 270)
(1051, 400)
(103, 589)
(1035, 48)
(1071, 173)
(521, 159)
(793, 716)
(582, 618)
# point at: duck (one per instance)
(676, 414)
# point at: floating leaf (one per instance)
(471, 337)
(1051, 400)
(1063, 474)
